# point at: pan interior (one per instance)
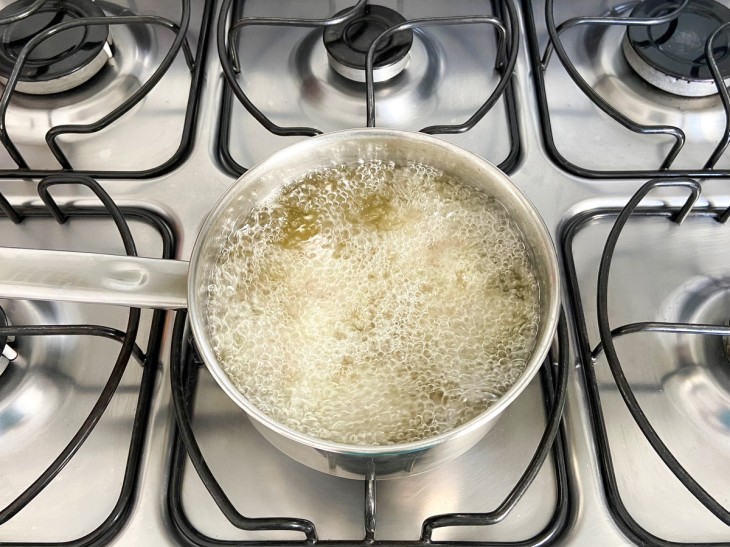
(279, 171)
(374, 304)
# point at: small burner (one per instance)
(63, 61)
(671, 56)
(347, 44)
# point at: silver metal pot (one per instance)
(175, 284)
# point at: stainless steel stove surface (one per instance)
(680, 379)
(450, 75)
(145, 86)
(52, 385)
(167, 160)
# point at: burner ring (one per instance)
(671, 56)
(347, 44)
(64, 60)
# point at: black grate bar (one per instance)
(660, 326)
(541, 65)
(225, 122)
(144, 89)
(10, 211)
(68, 330)
(15, 506)
(612, 357)
(538, 459)
(184, 372)
(106, 200)
(724, 216)
(123, 508)
(572, 71)
(182, 403)
(119, 514)
(724, 95)
(506, 71)
(118, 10)
(510, 162)
(437, 21)
(629, 22)
(285, 22)
(27, 12)
(191, 112)
(136, 97)
(231, 66)
(623, 518)
(3, 324)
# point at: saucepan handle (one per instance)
(96, 278)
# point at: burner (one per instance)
(347, 44)
(63, 61)
(671, 56)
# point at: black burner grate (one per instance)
(503, 21)
(84, 32)
(713, 54)
(148, 359)
(185, 367)
(624, 518)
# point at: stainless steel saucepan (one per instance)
(156, 283)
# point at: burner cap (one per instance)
(62, 62)
(671, 56)
(347, 44)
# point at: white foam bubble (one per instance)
(374, 304)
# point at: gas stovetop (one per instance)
(111, 430)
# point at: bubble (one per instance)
(374, 304)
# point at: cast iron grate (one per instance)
(115, 15)
(148, 359)
(588, 356)
(185, 367)
(555, 48)
(504, 21)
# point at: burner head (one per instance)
(347, 44)
(671, 56)
(63, 61)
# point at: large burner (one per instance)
(671, 56)
(63, 61)
(348, 43)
